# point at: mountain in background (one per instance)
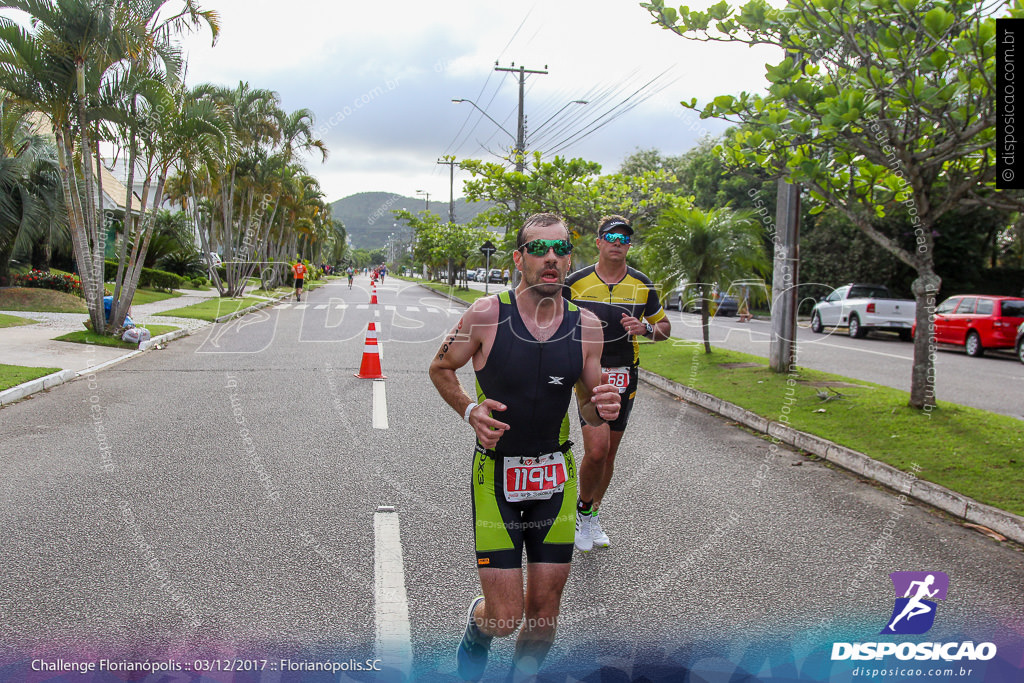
(368, 219)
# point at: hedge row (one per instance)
(150, 277)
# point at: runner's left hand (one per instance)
(633, 325)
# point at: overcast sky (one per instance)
(380, 77)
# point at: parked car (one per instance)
(1020, 343)
(862, 308)
(495, 275)
(979, 322)
(686, 297)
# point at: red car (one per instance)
(979, 322)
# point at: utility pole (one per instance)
(449, 161)
(785, 273)
(521, 132)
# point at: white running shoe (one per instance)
(584, 532)
(601, 539)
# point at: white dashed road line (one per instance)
(393, 639)
(380, 405)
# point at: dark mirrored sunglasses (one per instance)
(540, 247)
(613, 237)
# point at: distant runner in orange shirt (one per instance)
(300, 274)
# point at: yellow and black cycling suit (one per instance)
(633, 295)
(534, 380)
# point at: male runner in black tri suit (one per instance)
(529, 348)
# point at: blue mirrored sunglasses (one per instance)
(614, 237)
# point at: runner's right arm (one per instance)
(472, 335)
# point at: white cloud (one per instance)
(381, 77)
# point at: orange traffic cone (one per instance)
(370, 366)
(373, 293)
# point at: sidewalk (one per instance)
(33, 345)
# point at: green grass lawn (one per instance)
(42, 300)
(467, 295)
(276, 291)
(148, 296)
(212, 308)
(90, 337)
(14, 321)
(13, 375)
(974, 452)
(51, 301)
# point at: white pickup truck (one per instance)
(862, 308)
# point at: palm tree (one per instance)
(255, 115)
(75, 54)
(704, 248)
(29, 190)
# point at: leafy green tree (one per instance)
(572, 188)
(878, 107)
(704, 249)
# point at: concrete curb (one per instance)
(450, 297)
(163, 338)
(250, 309)
(956, 504)
(34, 386)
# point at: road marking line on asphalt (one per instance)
(320, 307)
(284, 306)
(412, 309)
(380, 404)
(362, 307)
(393, 639)
(340, 306)
(390, 308)
(301, 306)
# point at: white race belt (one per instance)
(536, 478)
(618, 377)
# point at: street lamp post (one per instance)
(424, 192)
(492, 121)
(550, 118)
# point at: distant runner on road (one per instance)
(299, 270)
(529, 348)
(625, 301)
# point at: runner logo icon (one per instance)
(913, 612)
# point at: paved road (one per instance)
(219, 498)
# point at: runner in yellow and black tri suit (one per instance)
(627, 304)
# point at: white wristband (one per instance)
(469, 409)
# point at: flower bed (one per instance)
(46, 280)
